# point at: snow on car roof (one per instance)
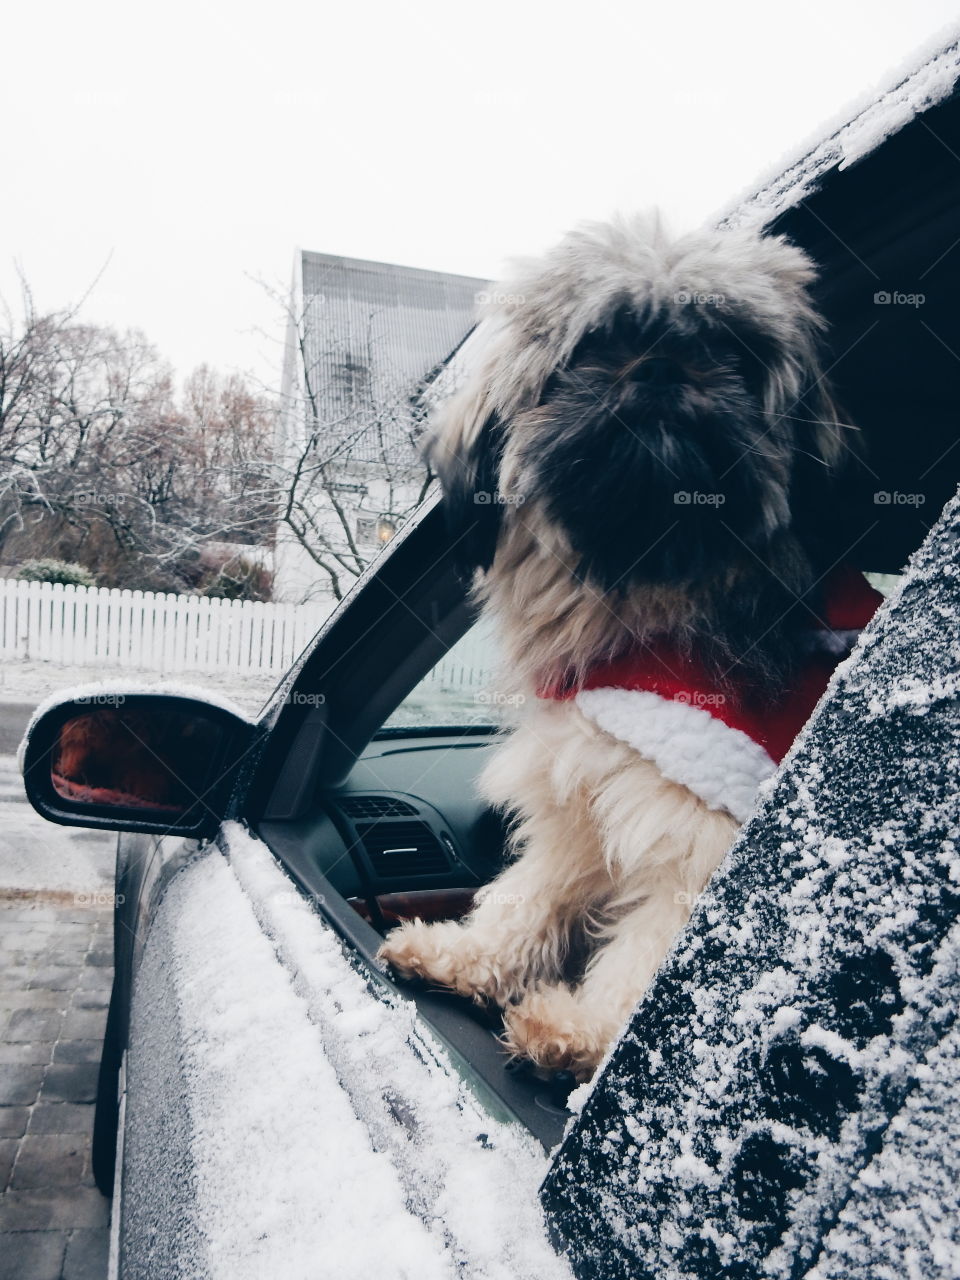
(924, 79)
(329, 1135)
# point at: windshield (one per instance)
(462, 689)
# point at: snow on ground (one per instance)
(38, 858)
(371, 1157)
(35, 681)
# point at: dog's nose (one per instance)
(657, 371)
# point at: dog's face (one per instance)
(651, 450)
(659, 403)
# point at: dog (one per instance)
(639, 472)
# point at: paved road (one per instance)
(55, 975)
(14, 717)
(55, 980)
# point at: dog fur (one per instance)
(624, 367)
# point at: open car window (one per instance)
(464, 689)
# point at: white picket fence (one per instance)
(96, 626)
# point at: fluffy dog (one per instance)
(638, 471)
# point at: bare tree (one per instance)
(101, 461)
(72, 402)
(350, 424)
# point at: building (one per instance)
(365, 342)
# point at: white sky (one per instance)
(192, 146)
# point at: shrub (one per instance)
(238, 580)
(70, 575)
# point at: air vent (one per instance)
(375, 807)
(400, 849)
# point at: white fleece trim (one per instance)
(721, 765)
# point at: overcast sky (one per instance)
(182, 151)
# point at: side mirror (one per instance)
(147, 762)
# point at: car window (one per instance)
(462, 689)
(885, 583)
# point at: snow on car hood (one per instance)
(329, 1135)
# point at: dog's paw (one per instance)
(441, 953)
(551, 1027)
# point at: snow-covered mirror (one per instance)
(134, 761)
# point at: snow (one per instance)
(106, 693)
(924, 79)
(913, 696)
(371, 1156)
(40, 860)
(264, 1098)
(902, 1219)
(790, 1057)
(25, 681)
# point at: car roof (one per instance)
(928, 77)
(876, 204)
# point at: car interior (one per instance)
(367, 789)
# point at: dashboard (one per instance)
(407, 833)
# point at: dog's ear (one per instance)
(464, 450)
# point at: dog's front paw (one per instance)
(441, 953)
(551, 1028)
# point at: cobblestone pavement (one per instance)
(55, 976)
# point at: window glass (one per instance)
(461, 690)
(885, 583)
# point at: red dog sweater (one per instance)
(719, 743)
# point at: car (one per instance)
(784, 1100)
